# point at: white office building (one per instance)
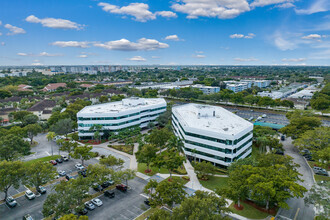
(212, 133)
(207, 89)
(114, 116)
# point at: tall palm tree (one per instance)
(175, 143)
(50, 136)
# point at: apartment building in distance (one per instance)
(114, 116)
(207, 89)
(239, 86)
(212, 133)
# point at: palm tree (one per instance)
(97, 129)
(50, 136)
(175, 143)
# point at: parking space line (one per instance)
(124, 216)
(130, 211)
(145, 196)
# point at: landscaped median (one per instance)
(44, 159)
(248, 211)
(124, 148)
(142, 167)
(214, 182)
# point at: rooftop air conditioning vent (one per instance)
(225, 129)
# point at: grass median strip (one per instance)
(44, 159)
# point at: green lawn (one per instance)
(142, 167)
(214, 182)
(124, 148)
(146, 214)
(42, 159)
(248, 212)
(319, 178)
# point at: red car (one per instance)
(53, 162)
(121, 187)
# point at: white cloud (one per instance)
(81, 44)
(36, 64)
(173, 37)
(222, 9)
(295, 60)
(261, 3)
(317, 6)
(312, 37)
(283, 43)
(285, 5)
(42, 54)
(155, 57)
(138, 10)
(199, 56)
(83, 56)
(0, 33)
(199, 51)
(126, 45)
(249, 36)
(166, 14)
(0, 22)
(3, 43)
(14, 30)
(54, 22)
(246, 59)
(137, 58)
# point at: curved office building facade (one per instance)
(212, 133)
(114, 116)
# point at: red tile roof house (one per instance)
(53, 86)
(24, 87)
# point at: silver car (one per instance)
(11, 202)
(29, 194)
(97, 202)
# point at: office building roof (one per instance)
(210, 118)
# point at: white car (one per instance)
(29, 194)
(264, 115)
(97, 202)
(79, 166)
(61, 173)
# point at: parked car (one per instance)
(110, 194)
(83, 173)
(27, 217)
(59, 160)
(53, 162)
(97, 202)
(29, 194)
(107, 183)
(61, 173)
(264, 116)
(79, 166)
(97, 187)
(41, 190)
(89, 205)
(147, 202)
(65, 158)
(251, 118)
(83, 212)
(68, 177)
(305, 152)
(121, 187)
(320, 171)
(11, 202)
(282, 138)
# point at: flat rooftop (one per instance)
(210, 118)
(124, 105)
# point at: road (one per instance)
(298, 210)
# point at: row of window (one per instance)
(118, 124)
(225, 159)
(120, 117)
(227, 142)
(226, 151)
(241, 154)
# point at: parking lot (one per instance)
(123, 206)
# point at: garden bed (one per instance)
(93, 142)
(124, 148)
(251, 210)
(142, 167)
(183, 180)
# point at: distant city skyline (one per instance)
(164, 32)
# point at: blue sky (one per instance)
(181, 32)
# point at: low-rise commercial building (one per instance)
(207, 89)
(114, 116)
(212, 133)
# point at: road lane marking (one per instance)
(47, 153)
